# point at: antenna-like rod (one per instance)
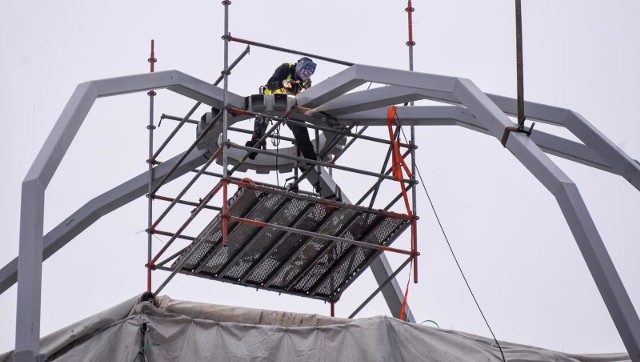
(414, 200)
(152, 61)
(519, 64)
(410, 43)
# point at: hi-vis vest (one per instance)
(282, 90)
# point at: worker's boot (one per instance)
(259, 129)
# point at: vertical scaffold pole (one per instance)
(519, 64)
(414, 223)
(225, 149)
(410, 43)
(152, 60)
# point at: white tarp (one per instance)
(175, 330)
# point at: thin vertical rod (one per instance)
(152, 60)
(414, 235)
(520, 77)
(225, 112)
(333, 309)
(225, 212)
(225, 116)
(410, 43)
(318, 168)
(414, 206)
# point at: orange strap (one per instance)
(406, 294)
(397, 161)
(395, 152)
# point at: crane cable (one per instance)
(519, 65)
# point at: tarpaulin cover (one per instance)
(174, 330)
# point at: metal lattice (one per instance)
(266, 257)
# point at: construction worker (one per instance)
(291, 79)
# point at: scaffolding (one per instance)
(266, 236)
(311, 244)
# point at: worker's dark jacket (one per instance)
(286, 71)
(274, 85)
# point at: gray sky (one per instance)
(506, 229)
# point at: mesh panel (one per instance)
(261, 244)
(292, 242)
(266, 267)
(190, 264)
(217, 260)
(265, 257)
(384, 230)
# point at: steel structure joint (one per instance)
(518, 129)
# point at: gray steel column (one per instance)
(29, 272)
(575, 211)
(43, 169)
(31, 222)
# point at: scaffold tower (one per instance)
(309, 243)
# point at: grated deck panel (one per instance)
(288, 262)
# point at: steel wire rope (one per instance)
(276, 142)
(446, 238)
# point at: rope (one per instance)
(142, 349)
(276, 142)
(430, 320)
(452, 252)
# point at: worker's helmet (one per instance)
(305, 68)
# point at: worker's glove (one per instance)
(287, 83)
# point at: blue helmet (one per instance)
(305, 68)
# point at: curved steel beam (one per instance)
(598, 152)
(45, 165)
(480, 113)
(496, 122)
(100, 206)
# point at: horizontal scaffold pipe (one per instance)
(320, 236)
(280, 49)
(320, 128)
(316, 163)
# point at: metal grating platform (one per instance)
(268, 257)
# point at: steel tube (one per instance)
(320, 236)
(195, 212)
(312, 162)
(186, 188)
(320, 201)
(273, 47)
(193, 146)
(182, 202)
(150, 127)
(380, 287)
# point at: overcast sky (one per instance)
(506, 229)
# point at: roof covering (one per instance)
(173, 330)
